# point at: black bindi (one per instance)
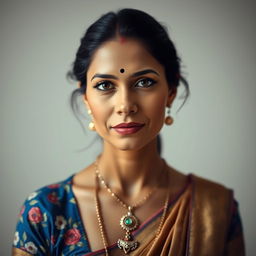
(122, 70)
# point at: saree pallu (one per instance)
(197, 224)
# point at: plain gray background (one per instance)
(213, 135)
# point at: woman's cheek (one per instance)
(103, 118)
(157, 109)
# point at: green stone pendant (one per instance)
(129, 223)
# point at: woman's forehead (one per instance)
(116, 55)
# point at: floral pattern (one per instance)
(32, 195)
(52, 197)
(53, 239)
(49, 223)
(31, 248)
(21, 210)
(54, 185)
(60, 222)
(35, 215)
(16, 238)
(72, 236)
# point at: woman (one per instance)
(129, 200)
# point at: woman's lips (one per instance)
(128, 128)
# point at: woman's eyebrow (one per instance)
(139, 73)
(104, 76)
(143, 72)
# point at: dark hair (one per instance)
(129, 23)
(133, 24)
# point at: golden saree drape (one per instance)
(197, 225)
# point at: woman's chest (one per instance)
(101, 218)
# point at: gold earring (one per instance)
(168, 119)
(89, 111)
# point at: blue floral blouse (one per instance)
(49, 223)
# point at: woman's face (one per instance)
(126, 85)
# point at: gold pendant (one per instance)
(127, 246)
(129, 223)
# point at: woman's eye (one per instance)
(145, 82)
(104, 86)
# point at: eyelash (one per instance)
(104, 83)
(152, 82)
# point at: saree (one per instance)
(199, 222)
(197, 225)
(201, 219)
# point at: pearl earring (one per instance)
(168, 119)
(91, 125)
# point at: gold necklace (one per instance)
(102, 231)
(128, 222)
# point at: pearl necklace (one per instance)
(128, 222)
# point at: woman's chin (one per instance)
(129, 144)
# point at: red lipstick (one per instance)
(128, 128)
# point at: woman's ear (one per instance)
(171, 96)
(79, 84)
(85, 100)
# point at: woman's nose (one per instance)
(124, 109)
(125, 103)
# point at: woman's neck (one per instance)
(130, 171)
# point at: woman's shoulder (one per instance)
(48, 218)
(209, 186)
(216, 209)
(206, 190)
(52, 194)
(202, 185)
(47, 202)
